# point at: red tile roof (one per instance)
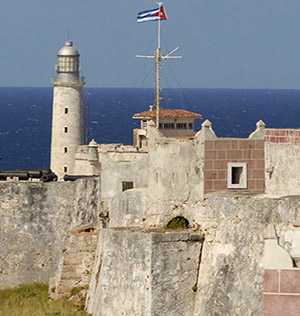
(167, 113)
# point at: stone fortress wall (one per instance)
(230, 273)
(35, 218)
(214, 268)
(226, 279)
(282, 150)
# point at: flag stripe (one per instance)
(148, 18)
(143, 13)
(152, 15)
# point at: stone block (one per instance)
(250, 174)
(222, 174)
(250, 163)
(72, 259)
(281, 305)
(70, 276)
(260, 164)
(278, 132)
(208, 185)
(220, 184)
(221, 154)
(290, 281)
(251, 184)
(234, 154)
(260, 144)
(223, 144)
(234, 144)
(208, 165)
(220, 164)
(258, 174)
(271, 281)
(71, 269)
(258, 154)
(157, 278)
(209, 144)
(210, 174)
(67, 284)
(210, 154)
(247, 144)
(127, 209)
(247, 154)
(260, 185)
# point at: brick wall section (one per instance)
(74, 274)
(282, 292)
(288, 136)
(219, 152)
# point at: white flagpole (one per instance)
(157, 68)
(158, 57)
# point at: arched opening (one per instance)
(178, 222)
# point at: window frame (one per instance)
(126, 183)
(243, 183)
(181, 125)
(169, 126)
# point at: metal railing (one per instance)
(80, 79)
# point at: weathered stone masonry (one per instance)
(35, 218)
(231, 271)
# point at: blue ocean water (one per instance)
(25, 116)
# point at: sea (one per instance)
(25, 116)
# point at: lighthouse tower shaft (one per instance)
(67, 115)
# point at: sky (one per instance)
(249, 44)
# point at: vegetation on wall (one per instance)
(178, 222)
(32, 300)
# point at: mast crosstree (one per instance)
(158, 56)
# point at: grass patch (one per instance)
(32, 300)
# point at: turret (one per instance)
(67, 117)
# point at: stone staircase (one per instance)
(74, 272)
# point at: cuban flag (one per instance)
(152, 15)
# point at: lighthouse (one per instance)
(67, 111)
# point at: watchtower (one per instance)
(67, 115)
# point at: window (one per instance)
(66, 110)
(66, 130)
(65, 149)
(237, 175)
(127, 185)
(169, 125)
(65, 169)
(191, 126)
(160, 126)
(68, 64)
(181, 125)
